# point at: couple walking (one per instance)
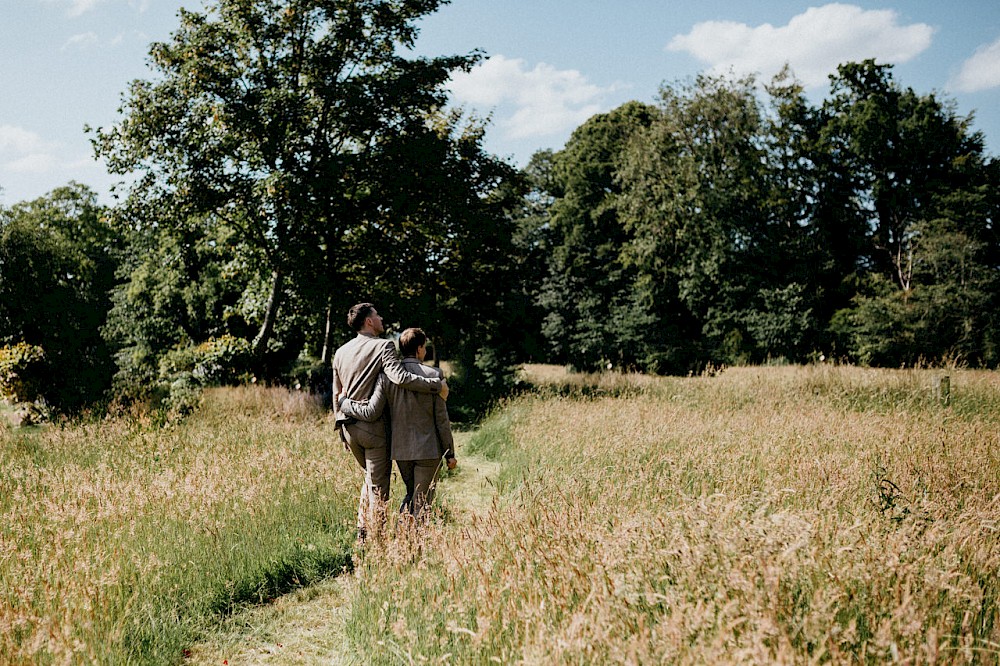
(390, 409)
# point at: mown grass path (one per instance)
(308, 626)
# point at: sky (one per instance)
(547, 65)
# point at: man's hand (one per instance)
(452, 463)
(444, 390)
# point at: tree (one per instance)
(591, 313)
(181, 285)
(444, 255)
(905, 151)
(819, 238)
(928, 195)
(696, 187)
(57, 267)
(285, 120)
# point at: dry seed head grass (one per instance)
(95, 516)
(737, 518)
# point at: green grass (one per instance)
(123, 543)
(763, 515)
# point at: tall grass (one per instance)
(764, 515)
(121, 541)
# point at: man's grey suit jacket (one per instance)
(418, 421)
(357, 366)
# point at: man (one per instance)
(357, 366)
(419, 425)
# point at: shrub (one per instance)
(183, 395)
(314, 375)
(23, 372)
(482, 376)
(223, 361)
(216, 362)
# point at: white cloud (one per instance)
(981, 71)
(76, 7)
(813, 42)
(33, 163)
(15, 140)
(545, 100)
(89, 40)
(80, 41)
(24, 151)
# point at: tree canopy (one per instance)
(57, 266)
(301, 132)
(743, 226)
(289, 160)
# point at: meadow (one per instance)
(763, 515)
(122, 540)
(758, 515)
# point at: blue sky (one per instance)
(550, 64)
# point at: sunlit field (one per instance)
(760, 515)
(121, 541)
(763, 515)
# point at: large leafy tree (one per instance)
(696, 194)
(57, 268)
(592, 312)
(818, 237)
(288, 121)
(443, 255)
(927, 191)
(181, 285)
(736, 224)
(905, 152)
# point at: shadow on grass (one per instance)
(164, 631)
(294, 570)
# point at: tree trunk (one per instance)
(438, 346)
(270, 314)
(325, 357)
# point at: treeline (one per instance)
(285, 165)
(734, 223)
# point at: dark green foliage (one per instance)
(291, 162)
(182, 286)
(591, 314)
(294, 162)
(928, 194)
(23, 372)
(781, 322)
(57, 267)
(215, 362)
(730, 226)
(300, 127)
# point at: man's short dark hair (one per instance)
(356, 315)
(410, 340)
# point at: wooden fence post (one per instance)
(943, 386)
